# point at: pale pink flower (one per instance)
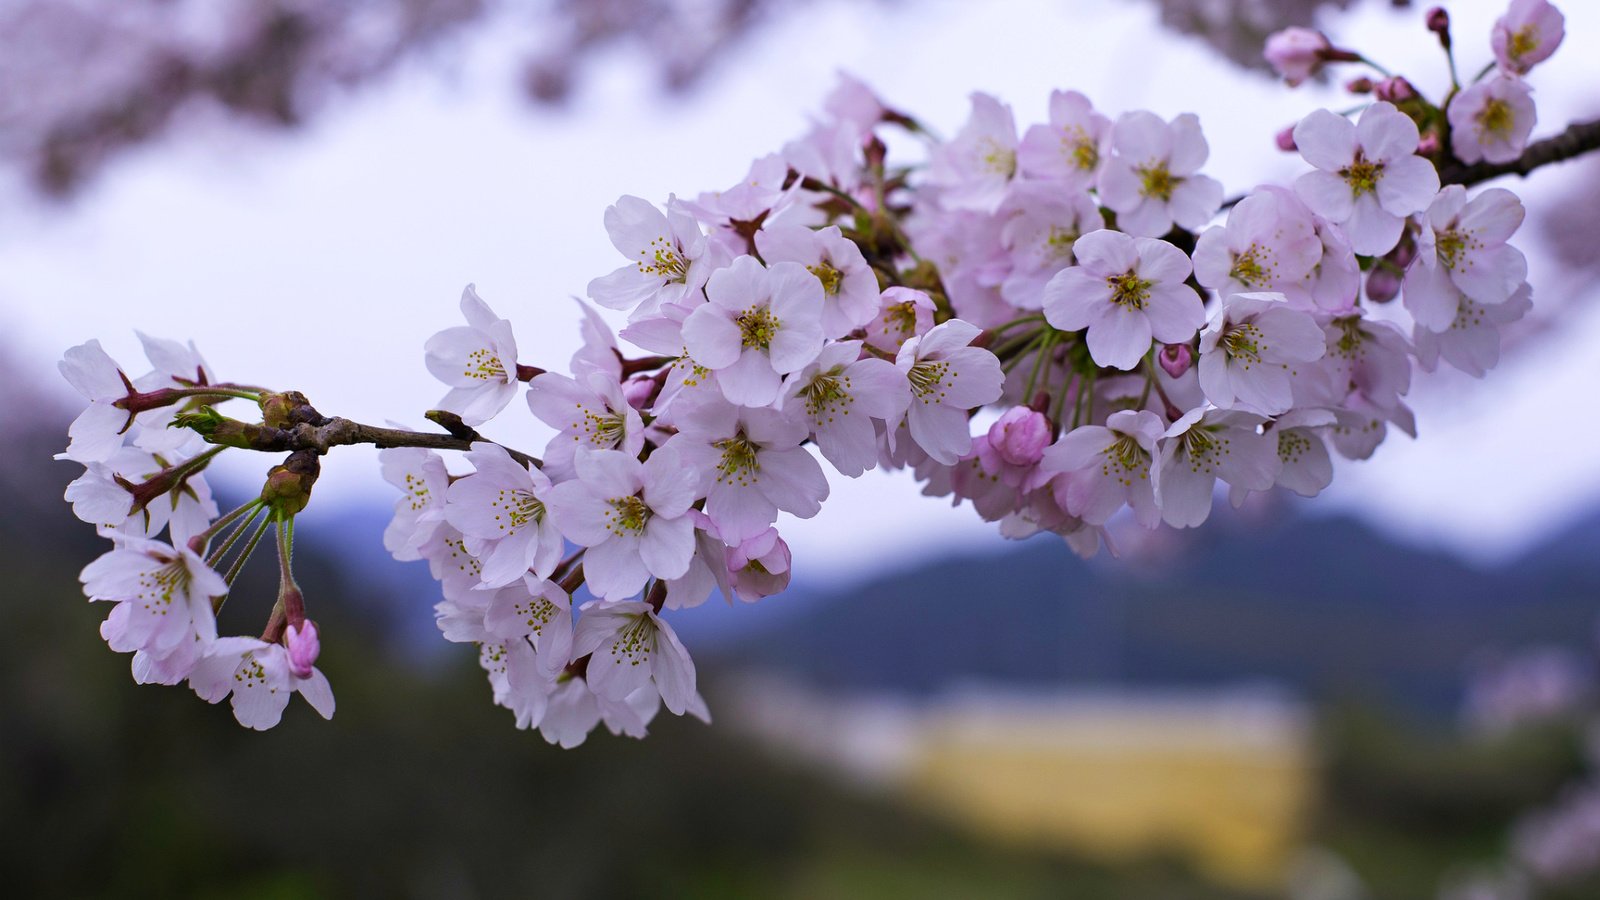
(1491, 120)
(1152, 179)
(633, 647)
(759, 566)
(753, 464)
(477, 360)
(1202, 447)
(904, 313)
(949, 378)
(1042, 222)
(631, 516)
(163, 595)
(760, 324)
(1472, 342)
(518, 679)
(852, 101)
(538, 612)
(97, 431)
(973, 169)
(1462, 254)
(422, 479)
(260, 677)
(1296, 53)
(1068, 150)
(1269, 243)
(590, 412)
(304, 646)
(1526, 35)
(839, 395)
(1101, 468)
(1304, 464)
(1248, 348)
(849, 286)
(1368, 176)
(668, 257)
(502, 510)
(1124, 290)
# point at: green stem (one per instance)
(244, 555)
(233, 538)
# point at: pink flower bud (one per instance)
(1429, 144)
(1383, 284)
(1175, 359)
(1286, 140)
(1439, 23)
(303, 648)
(639, 390)
(1394, 90)
(759, 566)
(1020, 436)
(1296, 53)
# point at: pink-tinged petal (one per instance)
(793, 481)
(1408, 185)
(940, 431)
(554, 399)
(739, 512)
(1106, 252)
(610, 473)
(92, 372)
(789, 243)
(1496, 275)
(1252, 462)
(1077, 449)
(1150, 218)
(317, 692)
(1195, 201)
(739, 286)
(712, 337)
(1160, 261)
(578, 513)
(1119, 338)
(667, 546)
(1372, 230)
(623, 288)
(878, 388)
(1326, 140)
(633, 223)
(1175, 312)
(1072, 297)
(1183, 493)
(1118, 185)
(1327, 194)
(796, 344)
(750, 380)
(1430, 296)
(1141, 136)
(673, 671)
(670, 485)
(797, 294)
(850, 443)
(614, 568)
(1294, 335)
(1492, 216)
(1189, 148)
(1264, 389)
(946, 338)
(1386, 134)
(976, 378)
(95, 433)
(1216, 380)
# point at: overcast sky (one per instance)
(324, 259)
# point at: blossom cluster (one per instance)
(1123, 338)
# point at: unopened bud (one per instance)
(1394, 90)
(1362, 85)
(1428, 145)
(303, 647)
(1175, 359)
(288, 486)
(1439, 23)
(1383, 284)
(1286, 140)
(1020, 436)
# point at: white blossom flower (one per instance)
(1368, 176)
(839, 395)
(163, 595)
(760, 324)
(1462, 254)
(1124, 290)
(1070, 147)
(1269, 243)
(1152, 179)
(1526, 35)
(1203, 446)
(948, 379)
(753, 463)
(849, 286)
(631, 516)
(477, 360)
(1103, 467)
(260, 677)
(1491, 120)
(1247, 349)
(423, 481)
(501, 510)
(632, 647)
(668, 256)
(972, 169)
(591, 413)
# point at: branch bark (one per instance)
(1578, 139)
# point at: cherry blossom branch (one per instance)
(1578, 139)
(337, 432)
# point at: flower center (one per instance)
(828, 275)
(901, 318)
(1129, 291)
(1058, 243)
(1155, 181)
(757, 326)
(484, 365)
(1362, 176)
(996, 158)
(928, 380)
(1495, 119)
(663, 260)
(1125, 460)
(1249, 269)
(603, 431)
(627, 515)
(514, 509)
(158, 587)
(536, 613)
(634, 643)
(739, 464)
(1523, 42)
(827, 393)
(1244, 343)
(1085, 155)
(1292, 445)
